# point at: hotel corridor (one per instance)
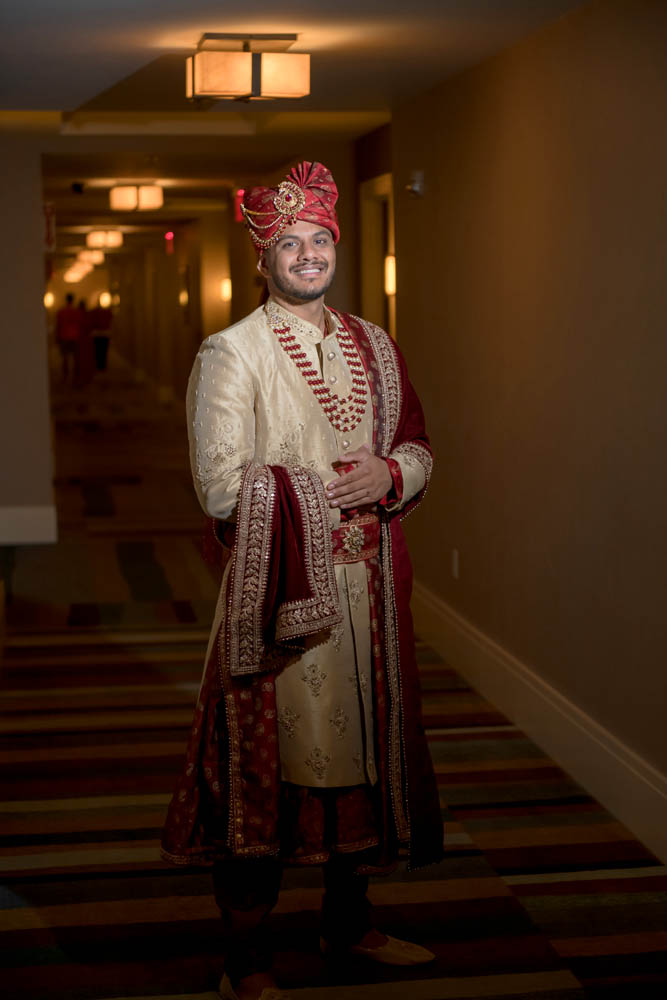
(541, 892)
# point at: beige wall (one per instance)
(26, 496)
(531, 307)
(214, 239)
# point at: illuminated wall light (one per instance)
(123, 198)
(150, 197)
(183, 297)
(115, 299)
(226, 289)
(285, 74)
(49, 299)
(105, 300)
(390, 275)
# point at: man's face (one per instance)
(302, 264)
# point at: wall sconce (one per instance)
(105, 300)
(91, 256)
(390, 275)
(110, 238)
(183, 297)
(246, 67)
(49, 299)
(132, 197)
(226, 289)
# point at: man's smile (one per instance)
(311, 269)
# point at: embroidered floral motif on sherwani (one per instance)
(314, 677)
(337, 633)
(339, 721)
(288, 720)
(318, 762)
(356, 592)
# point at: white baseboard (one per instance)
(622, 781)
(28, 525)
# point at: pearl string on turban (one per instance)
(308, 193)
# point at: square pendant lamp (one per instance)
(123, 198)
(246, 67)
(104, 239)
(149, 197)
(130, 197)
(219, 74)
(91, 256)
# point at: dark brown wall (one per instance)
(531, 305)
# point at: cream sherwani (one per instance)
(247, 401)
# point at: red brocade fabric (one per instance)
(268, 211)
(229, 799)
(280, 588)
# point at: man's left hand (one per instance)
(367, 483)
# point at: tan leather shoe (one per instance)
(227, 992)
(392, 952)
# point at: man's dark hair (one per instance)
(69, 299)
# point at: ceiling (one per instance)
(366, 54)
(104, 84)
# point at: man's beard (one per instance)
(300, 294)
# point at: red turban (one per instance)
(308, 193)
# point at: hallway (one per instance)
(541, 892)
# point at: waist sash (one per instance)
(357, 539)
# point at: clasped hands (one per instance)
(367, 483)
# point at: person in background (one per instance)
(85, 364)
(100, 326)
(68, 333)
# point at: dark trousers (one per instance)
(247, 890)
(101, 347)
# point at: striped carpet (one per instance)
(541, 893)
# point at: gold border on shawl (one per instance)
(322, 610)
(245, 645)
(390, 376)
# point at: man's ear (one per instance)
(261, 266)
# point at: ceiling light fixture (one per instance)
(130, 197)
(91, 256)
(76, 272)
(123, 198)
(100, 238)
(246, 67)
(149, 197)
